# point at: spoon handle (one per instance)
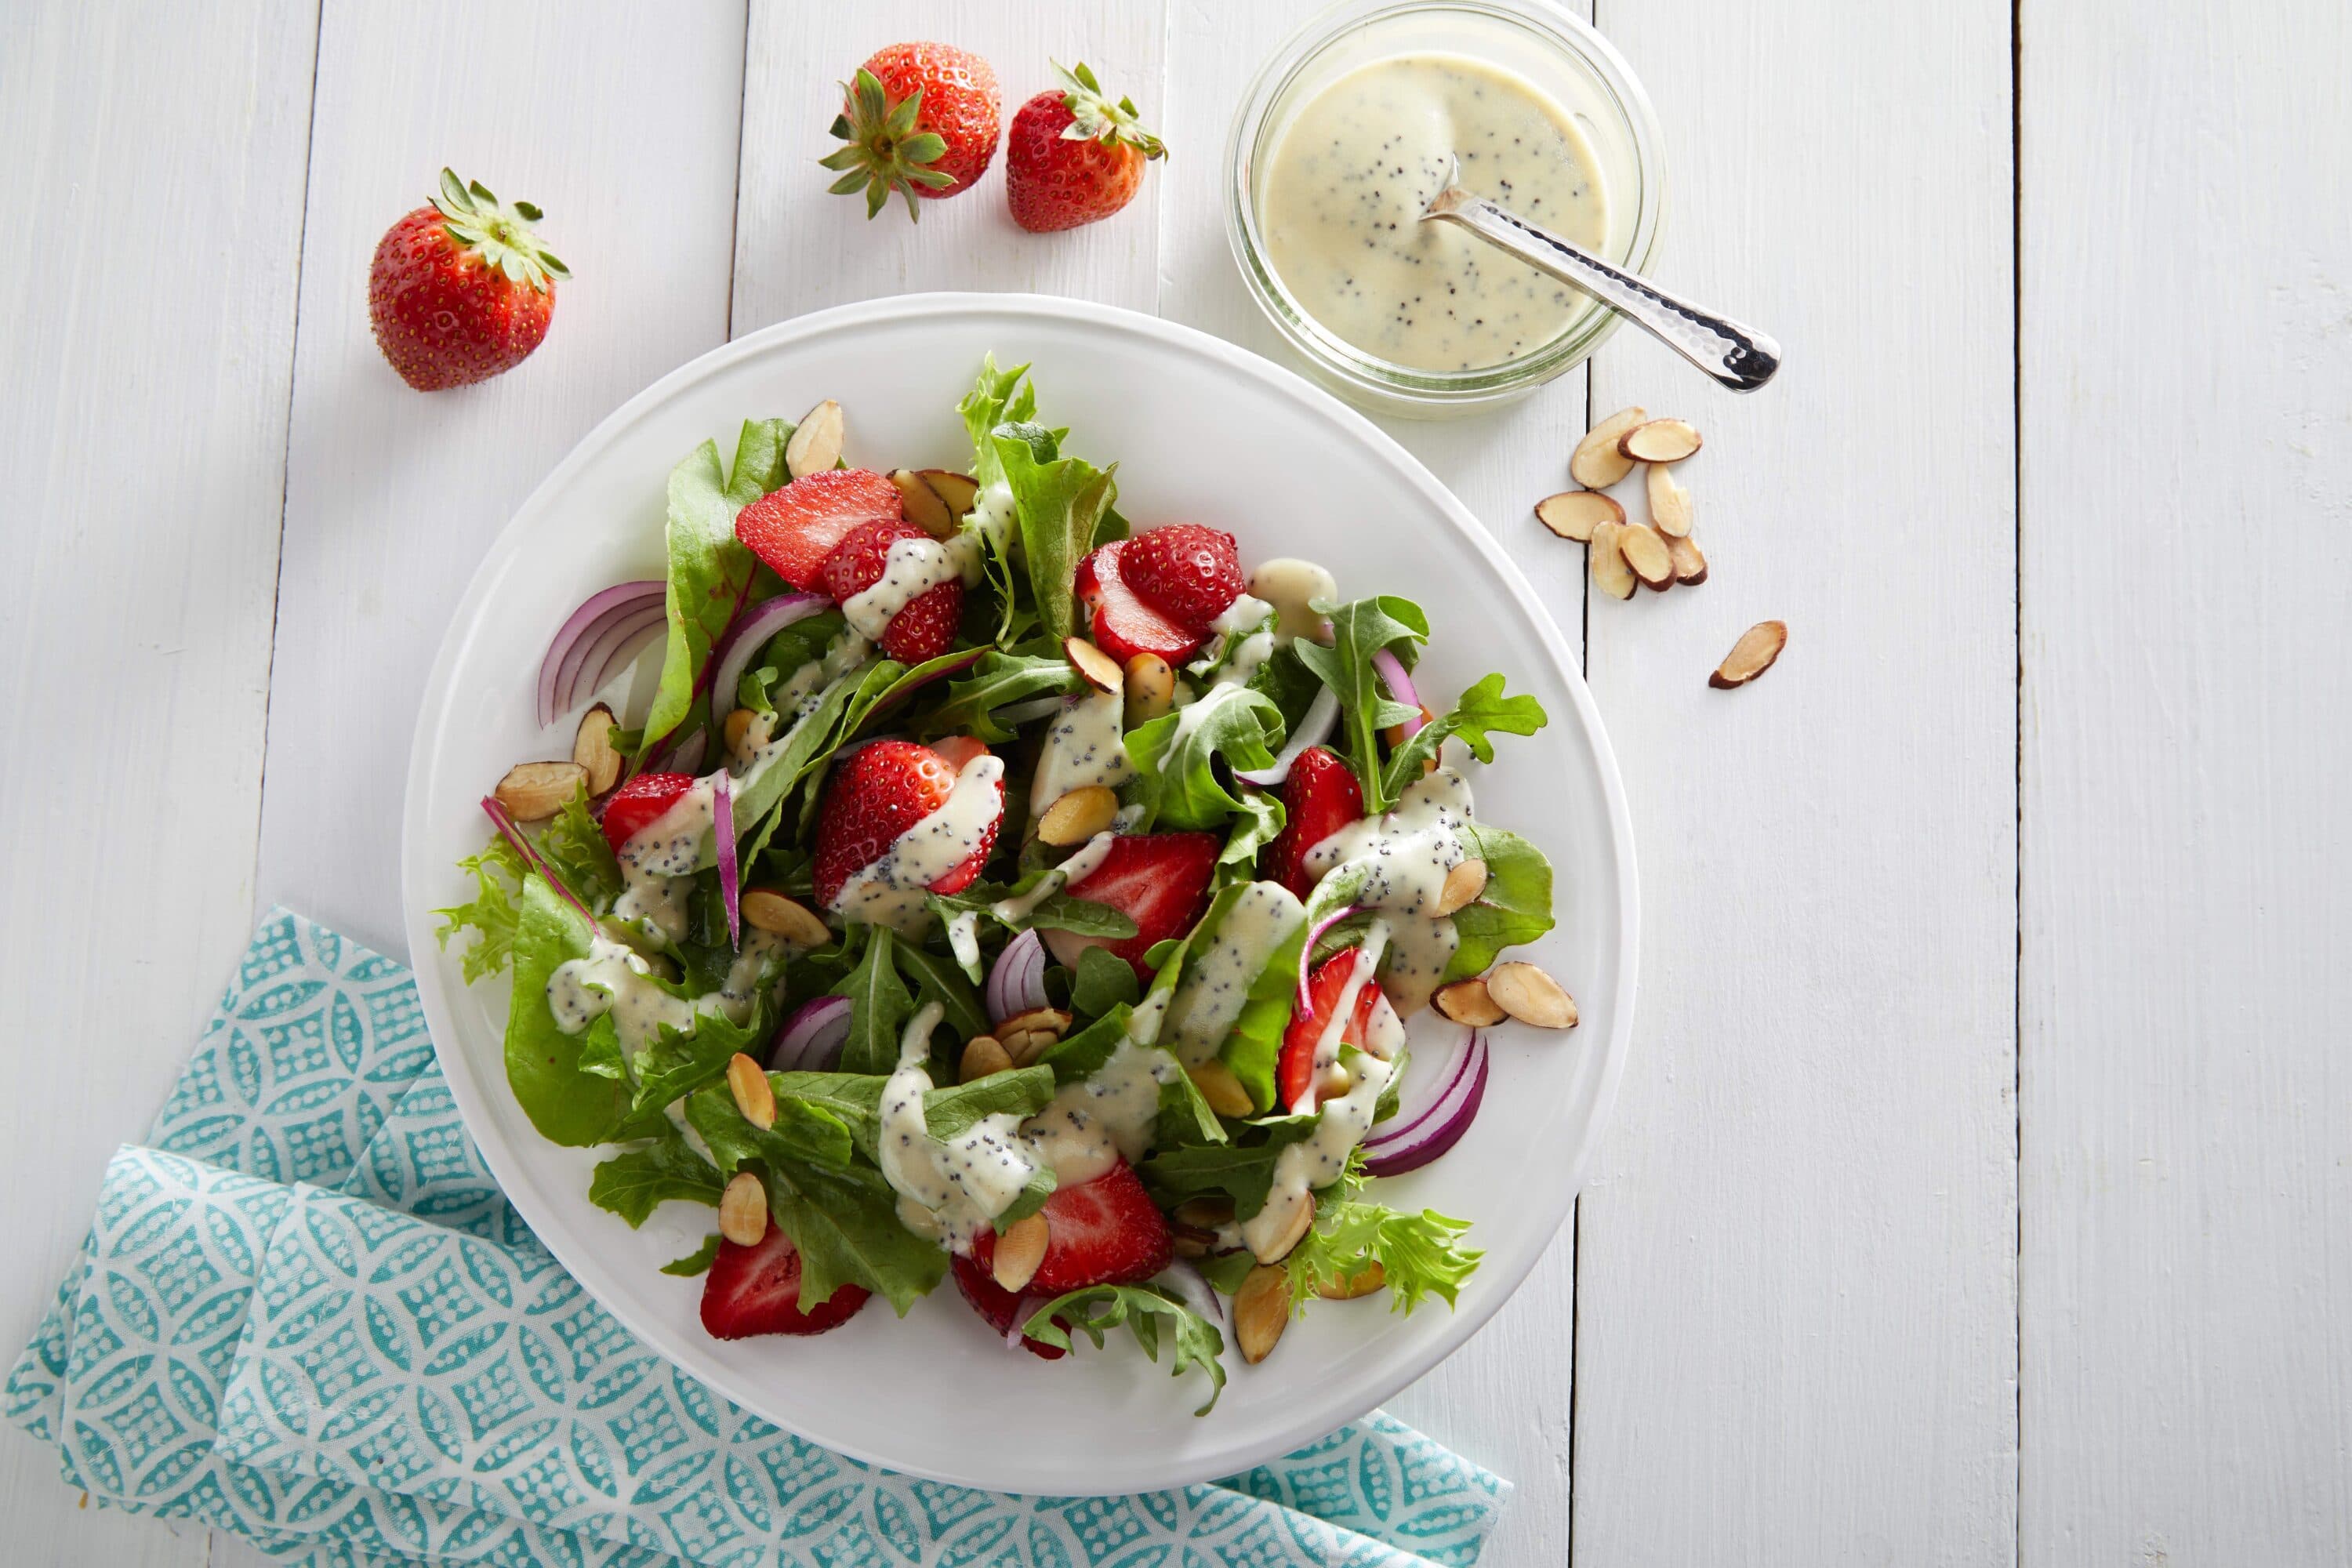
(1740, 357)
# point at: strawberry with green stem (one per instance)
(1075, 157)
(461, 289)
(918, 119)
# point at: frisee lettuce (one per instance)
(1419, 1255)
(1193, 1340)
(1481, 710)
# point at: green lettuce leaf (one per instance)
(997, 681)
(699, 1261)
(938, 979)
(1255, 1046)
(1104, 981)
(1420, 1255)
(1360, 629)
(1060, 912)
(1242, 1169)
(1515, 906)
(1193, 1340)
(575, 846)
(1482, 708)
(491, 914)
(1059, 502)
(879, 1006)
(543, 1064)
(1174, 756)
(997, 397)
(710, 573)
(634, 1183)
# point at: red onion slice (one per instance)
(1023, 1310)
(609, 648)
(722, 829)
(514, 835)
(1399, 685)
(1013, 715)
(559, 670)
(1184, 1280)
(1017, 983)
(749, 635)
(1306, 949)
(1315, 727)
(812, 1038)
(1437, 1129)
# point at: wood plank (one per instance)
(799, 248)
(1796, 1259)
(621, 121)
(1505, 1399)
(147, 325)
(2187, 1098)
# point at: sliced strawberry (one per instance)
(924, 626)
(639, 802)
(1103, 1232)
(757, 1290)
(879, 793)
(1320, 797)
(795, 528)
(1189, 573)
(1124, 626)
(958, 750)
(1159, 880)
(1000, 1308)
(1294, 1077)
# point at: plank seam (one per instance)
(2017, 783)
(735, 209)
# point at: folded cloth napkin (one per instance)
(306, 1315)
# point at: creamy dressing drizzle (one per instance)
(1082, 864)
(1326, 1044)
(657, 863)
(1085, 746)
(1209, 999)
(992, 513)
(890, 892)
(911, 568)
(615, 978)
(963, 940)
(1410, 850)
(1089, 1126)
(955, 1186)
(1289, 586)
(1317, 1160)
(793, 700)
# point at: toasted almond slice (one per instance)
(922, 504)
(1610, 575)
(1645, 551)
(1101, 671)
(1596, 463)
(591, 748)
(1278, 1248)
(748, 1083)
(1531, 995)
(1077, 816)
(533, 791)
(743, 1210)
(734, 728)
(764, 908)
(1019, 1250)
(816, 444)
(1572, 514)
(956, 492)
(1463, 885)
(1670, 503)
(1221, 1089)
(1023, 1047)
(1211, 1211)
(1261, 1311)
(1660, 441)
(983, 1054)
(1751, 655)
(1052, 1020)
(1363, 1282)
(1150, 689)
(1466, 1002)
(1690, 567)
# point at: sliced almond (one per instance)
(1463, 886)
(591, 748)
(1363, 1282)
(1573, 514)
(1187, 1244)
(747, 1082)
(1751, 655)
(1531, 995)
(816, 444)
(1261, 1311)
(764, 908)
(1610, 573)
(1596, 464)
(1690, 565)
(922, 504)
(1077, 816)
(533, 791)
(1670, 503)
(1019, 1250)
(1278, 1247)
(983, 1054)
(1211, 1211)
(956, 492)
(734, 729)
(1659, 441)
(1466, 1002)
(1101, 671)
(743, 1210)
(1221, 1089)
(1150, 689)
(1644, 549)
(1051, 1020)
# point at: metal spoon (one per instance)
(1741, 358)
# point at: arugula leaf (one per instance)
(1082, 1055)
(678, 1062)
(1174, 755)
(806, 641)
(1419, 1255)
(997, 681)
(938, 980)
(1193, 1340)
(802, 1134)
(953, 1112)
(1241, 1170)
(1104, 981)
(1060, 912)
(633, 1183)
(699, 1261)
(709, 575)
(490, 914)
(1515, 906)
(879, 1006)
(1257, 822)
(853, 1098)
(1361, 629)
(1184, 1115)
(543, 1064)
(1482, 708)
(1059, 500)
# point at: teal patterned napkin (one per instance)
(306, 1315)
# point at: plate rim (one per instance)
(1464, 1321)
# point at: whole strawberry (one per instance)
(461, 289)
(1074, 156)
(920, 118)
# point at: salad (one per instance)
(996, 889)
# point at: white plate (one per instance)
(1201, 432)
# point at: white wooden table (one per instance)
(1981, 1186)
